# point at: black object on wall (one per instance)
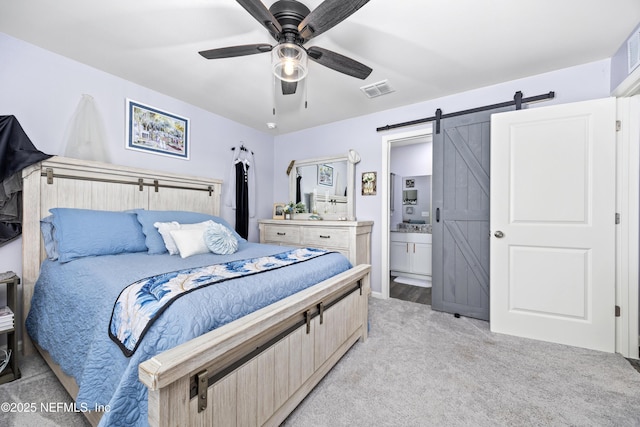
(16, 153)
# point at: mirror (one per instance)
(410, 197)
(416, 199)
(325, 186)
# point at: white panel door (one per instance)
(552, 224)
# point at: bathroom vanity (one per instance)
(410, 253)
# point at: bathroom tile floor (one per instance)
(409, 293)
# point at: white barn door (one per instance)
(552, 221)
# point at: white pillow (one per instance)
(164, 228)
(190, 241)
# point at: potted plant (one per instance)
(292, 208)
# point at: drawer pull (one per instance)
(279, 233)
(325, 237)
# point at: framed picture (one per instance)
(325, 175)
(409, 183)
(369, 183)
(278, 210)
(157, 132)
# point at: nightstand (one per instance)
(12, 371)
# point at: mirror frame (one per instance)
(351, 184)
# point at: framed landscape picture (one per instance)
(157, 132)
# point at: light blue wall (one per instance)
(619, 63)
(408, 160)
(588, 81)
(42, 90)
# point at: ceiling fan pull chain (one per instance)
(306, 85)
(274, 94)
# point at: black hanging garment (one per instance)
(242, 199)
(242, 181)
(299, 189)
(16, 153)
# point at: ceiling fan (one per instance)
(292, 24)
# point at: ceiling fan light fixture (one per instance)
(289, 62)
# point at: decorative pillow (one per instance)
(190, 242)
(220, 240)
(84, 232)
(50, 247)
(154, 241)
(164, 228)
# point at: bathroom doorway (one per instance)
(407, 253)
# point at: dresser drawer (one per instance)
(325, 237)
(282, 234)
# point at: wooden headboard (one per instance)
(73, 183)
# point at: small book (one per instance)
(5, 311)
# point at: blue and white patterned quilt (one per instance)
(72, 304)
(142, 302)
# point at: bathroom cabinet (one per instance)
(410, 255)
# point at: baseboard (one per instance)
(413, 282)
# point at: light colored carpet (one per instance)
(425, 368)
(37, 399)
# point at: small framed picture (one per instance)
(409, 183)
(278, 210)
(156, 132)
(325, 175)
(369, 184)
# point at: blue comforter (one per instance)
(72, 304)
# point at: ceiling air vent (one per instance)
(377, 89)
(633, 51)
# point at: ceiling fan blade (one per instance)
(338, 62)
(289, 88)
(229, 52)
(259, 11)
(327, 15)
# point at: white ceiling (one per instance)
(425, 48)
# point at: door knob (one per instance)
(499, 234)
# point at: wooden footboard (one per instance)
(257, 369)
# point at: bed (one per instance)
(283, 329)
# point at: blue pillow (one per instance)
(220, 240)
(153, 239)
(50, 246)
(84, 232)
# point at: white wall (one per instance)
(42, 90)
(588, 81)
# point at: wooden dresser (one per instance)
(351, 238)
